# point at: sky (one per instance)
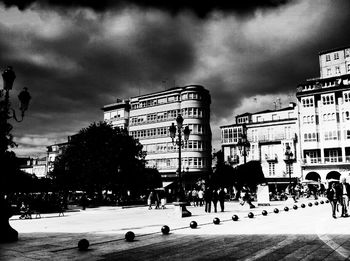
(78, 56)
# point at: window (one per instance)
(327, 99)
(346, 116)
(336, 56)
(347, 134)
(348, 67)
(329, 71)
(346, 96)
(271, 169)
(331, 135)
(275, 117)
(162, 100)
(328, 58)
(337, 69)
(308, 102)
(347, 52)
(310, 137)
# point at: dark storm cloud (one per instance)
(83, 60)
(275, 72)
(200, 8)
(83, 69)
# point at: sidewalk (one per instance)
(105, 227)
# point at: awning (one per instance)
(167, 183)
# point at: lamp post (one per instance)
(289, 160)
(243, 143)
(176, 133)
(7, 233)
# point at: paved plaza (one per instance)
(308, 233)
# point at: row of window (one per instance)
(172, 163)
(328, 135)
(310, 137)
(327, 117)
(194, 145)
(163, 100)
(307, 102)
(326, 99)
(167, 115)
(308, 119)
(164, 131)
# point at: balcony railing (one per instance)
(326, 160)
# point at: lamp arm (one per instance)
(13, 116)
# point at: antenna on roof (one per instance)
(279, 103)
(164, 84)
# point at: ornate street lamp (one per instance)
(179, 137)
(288, 158)
(243, 143)
(7, 233)
(179, 141)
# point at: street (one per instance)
(308, 233)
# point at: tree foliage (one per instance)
(101, 157)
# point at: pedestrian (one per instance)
(334, 196)
(194, 194)
(345, 188)
(215, 198)
(246, 197)
(208, 195)
(156, 200)
(222, 195)
(200, 197)
(83, 201)
(150, 200)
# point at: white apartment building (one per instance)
(117, 113)
(324, 110)
(269, 132)
(148, 118)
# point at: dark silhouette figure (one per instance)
(222, 196)
(83, 201)
(215, 200)
(207, 198)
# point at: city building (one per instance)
(148, 118)
(53, 151)
(324, 118)
(117, 113)
(270, 134)
(36, 166)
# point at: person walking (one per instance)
(222, 195)
(345, 188)
(150, 199)
(200, 197)
(194, 194)
(208, 195)
(215, 199)
(334, 196)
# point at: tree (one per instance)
(99, 157)
(250, 174)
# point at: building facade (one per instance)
(35, 166)
(269, 133)
(149, 117)
(117, 113)
(324, 117)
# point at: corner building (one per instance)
(324, 118)
(151, 115)
(269, 132)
